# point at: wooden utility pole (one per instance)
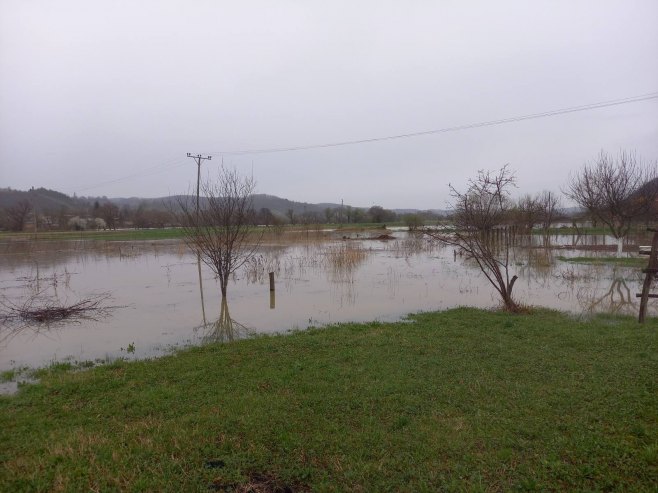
(197, 159)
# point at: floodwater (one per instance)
(157, 301)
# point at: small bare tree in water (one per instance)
(221, 229)
(485, 205)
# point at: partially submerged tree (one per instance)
(221, 230)
(413, 221)
(612, 189)
(485, 205)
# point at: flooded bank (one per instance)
(158, 300)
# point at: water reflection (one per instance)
(203, 305)
(616, 299)
(317, 282)
(343, 260)
(224, 329)
(43, 312)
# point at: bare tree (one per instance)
(613, 192)
(290, 214)
(549, 206)
(265, 216)
(109, 212)
(476, 212)
(221, 230)
(528, 211)
(329, 215)
(349, 213)
(18, 214)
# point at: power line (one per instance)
(153, 170)
(563, 111)
(574, 109)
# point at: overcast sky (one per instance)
(107, 97)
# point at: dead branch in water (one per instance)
(38, 309)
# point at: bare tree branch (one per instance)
(614, 191)
(222, 229)
(484, 206)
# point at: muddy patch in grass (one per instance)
(259, 483)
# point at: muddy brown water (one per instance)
(159, 303)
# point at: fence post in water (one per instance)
(272, 295)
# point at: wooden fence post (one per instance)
(651, 271)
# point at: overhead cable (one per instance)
(563, 111)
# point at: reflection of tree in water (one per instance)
(531, 255)
(223, 329)
(599, 289)
(535, 264)
(616, 299)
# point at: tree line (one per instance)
(99, 214)
(613, 190)
(105, 214)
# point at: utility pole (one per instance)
(197, 159)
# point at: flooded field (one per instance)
(155, 299)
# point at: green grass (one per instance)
(156, 234)
(568, 230)
(623, 261)
(8, 376)
(107, 235)
(463, 400)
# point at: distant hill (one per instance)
(438, 212)
(41, 198)
(282, 205)
(261, 201)
(52, 200)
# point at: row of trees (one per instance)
(614, 190)
(334, 215)
(110, 216)
(105, 215)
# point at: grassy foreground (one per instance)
(463, 400)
